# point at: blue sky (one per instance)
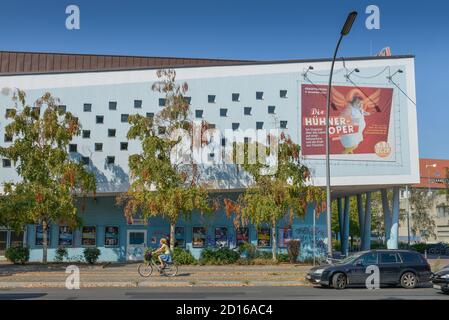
(250, 29)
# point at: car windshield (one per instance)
(351, 258)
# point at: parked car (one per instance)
(397, 267)
(440, 280)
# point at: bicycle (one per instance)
(145, 269)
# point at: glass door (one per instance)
(3, 241)
(136, 244)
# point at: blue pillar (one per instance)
(387, 213)
(392, 242)
(366, 242)
(361, 215)
(345, 239)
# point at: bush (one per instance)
(293, 249)
(182, 256)
(247, 250)
(219, 256)
(18, 254)
(284, 257)
(61, 253)
(420, 247)
(91, 255)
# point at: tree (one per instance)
(422, 223)
(159, 185)
(274, 196)
(50, 181)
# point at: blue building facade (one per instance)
(241, 97)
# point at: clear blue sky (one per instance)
(250, 29)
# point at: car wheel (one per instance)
(409, 280)
(339, 281)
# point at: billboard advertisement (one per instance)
(359, 121)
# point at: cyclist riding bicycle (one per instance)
(164, 253)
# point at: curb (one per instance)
(153, 284)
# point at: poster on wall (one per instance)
(263, 237)
(359, 121)
(179, 237)
(221, 237)
(65, 236)
(199, 237)
(40, 236)
(284, 236)
(111, 236)
(242, 235)
(89, 236)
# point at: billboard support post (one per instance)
(344, 31)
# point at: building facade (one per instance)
(434, 182)
(373, 138)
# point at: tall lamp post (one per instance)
(344, 31)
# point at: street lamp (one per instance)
(344, 31)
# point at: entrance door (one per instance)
(3, 241)
(136, 244)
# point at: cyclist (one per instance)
(164, 253)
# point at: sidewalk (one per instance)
(125, 275)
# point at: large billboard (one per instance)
(359, 121)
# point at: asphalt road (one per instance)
(222, 293)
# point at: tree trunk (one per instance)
(172, 237)
(44, 242)
(273, 241)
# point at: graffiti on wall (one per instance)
(305, 235)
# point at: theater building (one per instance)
(374, 144)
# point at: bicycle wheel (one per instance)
(171, 270)
(145, 269)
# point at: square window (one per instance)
(162, 102)
(123, 145)
(112, 105)
(271, 109)
(247, 111)
(99, 119)
(235, 126)
(65, 236)
(86, 134)
(223, 141)
(283, 124)
(150, 114)
(110, 160)
(259, 125)
(9, 113)
(198, 113)
(73, 148)
(236, 97)
(259, 95)
(211, 98)
(111, 132)
(62, 108)
(39, 236)
(161, 130)
(137, 104)
(7, 138)
(246, 140)
(211, 126)
(98, 146)
(36, 110)
(124, 117)
(87, 107)
(188, 99)
(6, 163)
(283, 94)
(85, 160)
(223, 112)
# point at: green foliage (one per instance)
(60, 254)
(161, 187)
(274, 194)
(285, 257)
(18, 254)
(248, 250)
(91, 255)
(219, 256)
(293, 249)
(182, 256)
(422, 223)
(420, 247)
(50, 180)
